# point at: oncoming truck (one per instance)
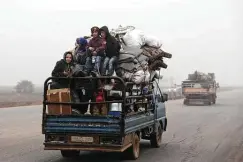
(200, 88)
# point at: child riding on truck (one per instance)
(96, 52)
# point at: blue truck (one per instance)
(115, 121)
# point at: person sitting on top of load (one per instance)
(112, 51)
(80, 51)
(80, 56)
(96, 47)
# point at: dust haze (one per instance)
(201, 35)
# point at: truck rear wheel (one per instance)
(214, 100)
(70, 153)
(132, 153)
(209, 103)
(156, 138)
(185, 102)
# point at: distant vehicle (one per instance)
(174, 93)
(200, 88)
(173, 90)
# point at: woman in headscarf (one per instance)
(63, 68)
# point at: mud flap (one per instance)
(165, 125)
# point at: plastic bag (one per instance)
(134, 38)
(152, 41)
(141, 77)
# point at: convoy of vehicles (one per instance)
(113, 113)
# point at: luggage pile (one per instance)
(141, 55)
(199, 76)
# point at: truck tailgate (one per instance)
(82, 124)
(195, 90)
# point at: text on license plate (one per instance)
(196, 102)
(82, 139)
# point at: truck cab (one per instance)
(105, 118)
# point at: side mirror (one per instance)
(162, 98)
(165, 97)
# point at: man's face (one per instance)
(103, 35)
(95, 34)
(68, 58)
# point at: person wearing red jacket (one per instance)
(96, 52)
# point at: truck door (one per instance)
(159, 100)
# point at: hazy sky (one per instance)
(204, 35)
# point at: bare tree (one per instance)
(24, 86)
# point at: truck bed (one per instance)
(97, 124)
(112, 130)
(98, 132)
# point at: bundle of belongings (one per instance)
(140, 56)
(200, 76)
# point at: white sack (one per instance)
(138, 77)
(147, 76)
(141, 77)
(152, 41)
(134, 38)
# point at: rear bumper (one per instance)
(165, 124)
(198, 100)
(197, 94)
(106, 148)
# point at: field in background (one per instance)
(13, 100)
(8, 97)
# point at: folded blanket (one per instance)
(124, 58)
(127, 66)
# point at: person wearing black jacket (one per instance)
(80, 51)
(63, 68)
(112, 51)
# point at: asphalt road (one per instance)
(195, 134)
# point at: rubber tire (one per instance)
(209, 103)
(156, 139)
(185, 102)
(214, 100)
(70, 153)
(132, 153)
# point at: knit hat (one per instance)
(81, 41)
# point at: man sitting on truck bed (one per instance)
(80, 56)
(80, 52)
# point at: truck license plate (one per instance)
(82, 139)
(196, 102)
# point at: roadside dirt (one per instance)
(14, 100)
